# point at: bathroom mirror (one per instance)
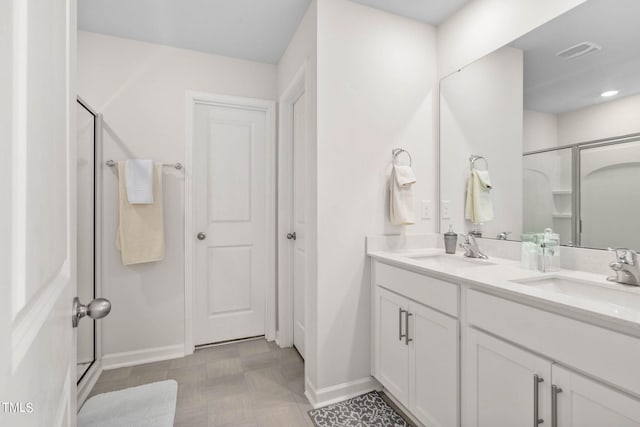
(555, 117)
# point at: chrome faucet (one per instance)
(503, 235)
(470, 246)
(626, 267)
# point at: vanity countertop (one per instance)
(501, 276)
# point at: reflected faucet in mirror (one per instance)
(470, 246)
(503, 235)
(626, 267)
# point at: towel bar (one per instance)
(178, 166)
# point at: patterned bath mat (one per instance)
(368, 410)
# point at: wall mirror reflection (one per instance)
(556, 115)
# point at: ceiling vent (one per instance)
(581, 49)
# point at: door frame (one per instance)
(269, 108)
(89, 379)
(297, 87)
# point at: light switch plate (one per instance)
(426, 209)
(446, 209)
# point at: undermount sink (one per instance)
(446, 261)
(606, 293)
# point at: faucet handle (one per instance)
(627, 256)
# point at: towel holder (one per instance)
(397, 151)
(178, 166)
(474, 157)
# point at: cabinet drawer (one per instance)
(434, 293)
(603, 353)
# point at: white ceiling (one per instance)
(430, 11)
(556, 85)
(257, 30)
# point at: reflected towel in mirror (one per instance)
(478, 206)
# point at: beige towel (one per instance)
(140, 236)
(478, 206)
(401, 210)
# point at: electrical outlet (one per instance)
(426, 209)
(446, 209)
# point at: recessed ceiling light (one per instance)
(609, 93)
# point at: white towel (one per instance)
(139, 181)
(478, 206)
(140, 236)
(401, 196)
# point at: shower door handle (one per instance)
(96, 309)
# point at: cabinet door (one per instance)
(433, 363)
(499, 384)
(393, 351)
(587, 403)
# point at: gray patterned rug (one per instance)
(368, 410)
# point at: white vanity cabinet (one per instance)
(415, 345)
(507, 385)
(504, 385)
(583, 402)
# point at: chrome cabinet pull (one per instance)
(554, 404)
(407, 340)
(536, 418)
(400, 334)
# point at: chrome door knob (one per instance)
(201, 236)
(291, 236)
(96, 309)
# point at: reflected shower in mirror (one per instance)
(556, 114)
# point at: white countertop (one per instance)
(500, 275)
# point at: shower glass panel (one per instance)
(547, 193)
(609, 189)
(86, 235)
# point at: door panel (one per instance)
(230, 187)
(37, 355)
(587, 403)
(498, 386)
(299, 222)
(434, 366)
(393, 358)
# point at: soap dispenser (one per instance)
(450, 241)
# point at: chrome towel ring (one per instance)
(397, 151)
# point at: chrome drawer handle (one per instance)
(536, 418)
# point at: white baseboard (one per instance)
(337, 393)
(138, 357)
(87, 383)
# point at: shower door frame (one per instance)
(576, 150)
(88, 379)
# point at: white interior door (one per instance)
(230, 187)
(37, 221)
(299, 222)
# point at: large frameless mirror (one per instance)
(555, 116)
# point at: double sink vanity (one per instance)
(473, 342)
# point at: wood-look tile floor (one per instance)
(252, 383)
